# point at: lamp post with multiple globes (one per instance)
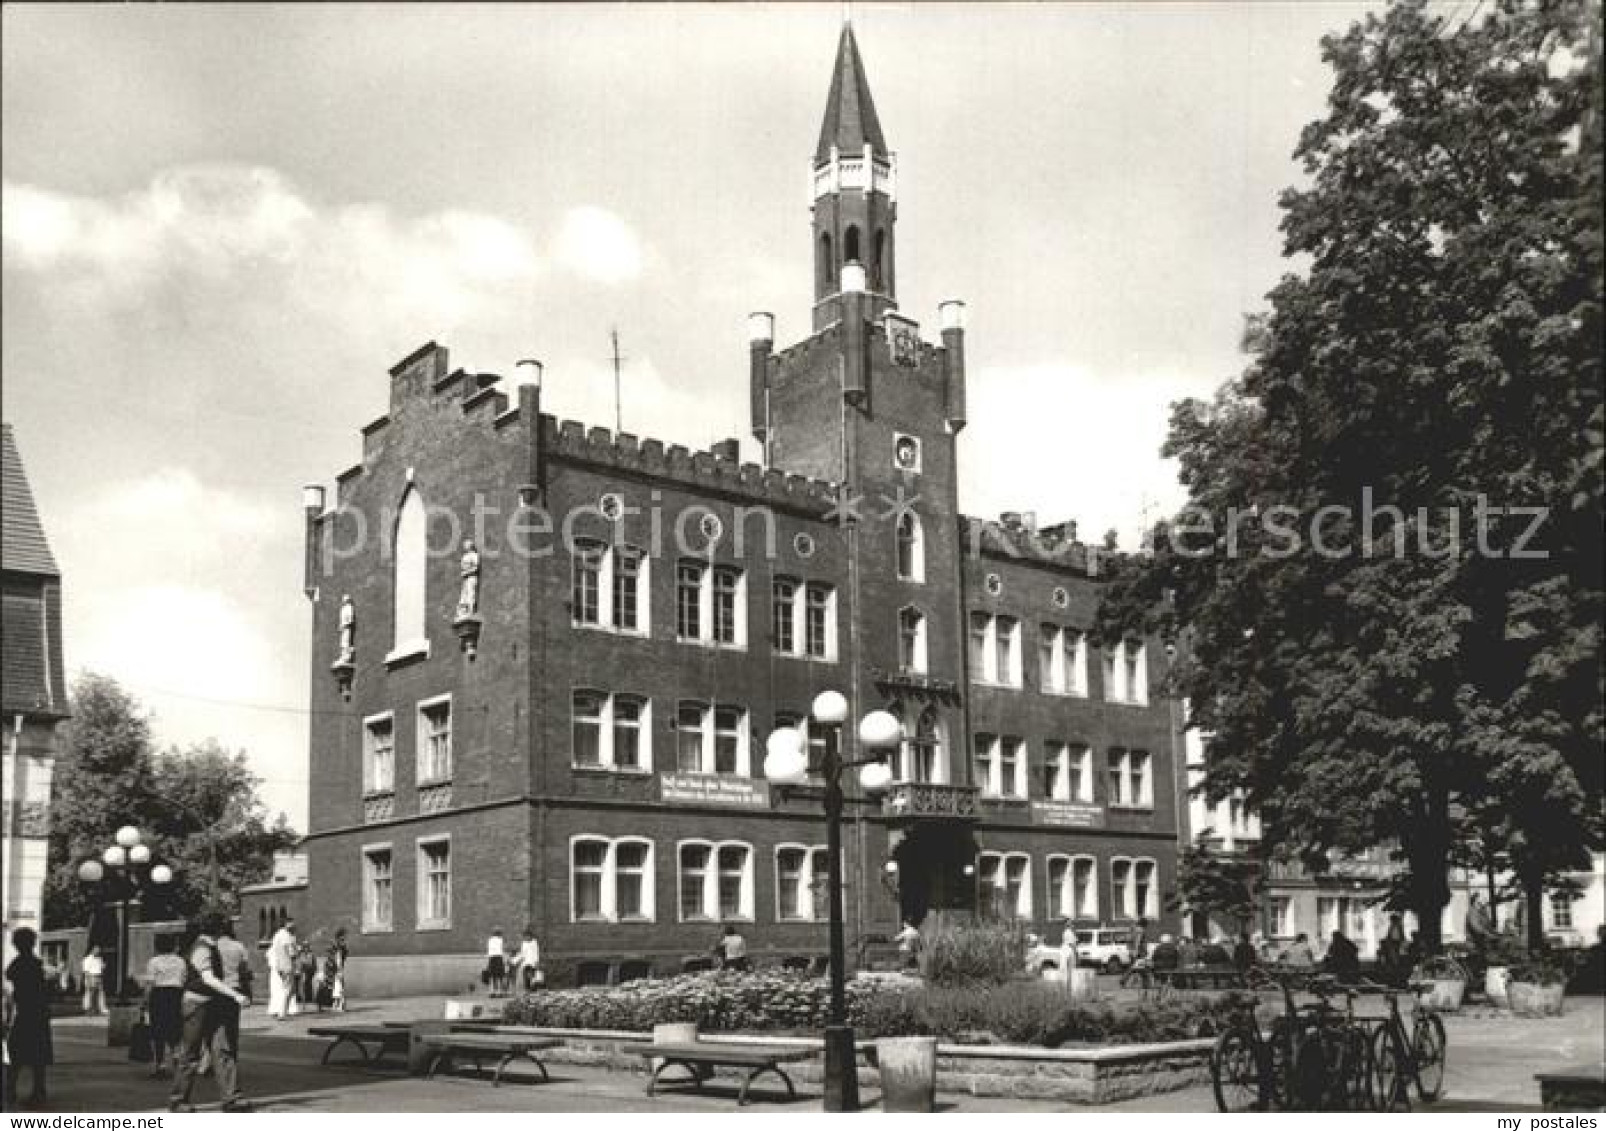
(126, 867)
(786, 763)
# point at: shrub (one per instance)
(1016, 1012)
(989, 952)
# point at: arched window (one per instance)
(878, 277)
(850, 244)
(827, 267)
(912, 640)
(911, 548)
(412, 555)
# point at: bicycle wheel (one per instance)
(1358, 1064)
(1389, 1072)
(1428, 1048)
(1235, 1073)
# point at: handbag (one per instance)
(139, 1041)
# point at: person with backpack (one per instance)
(211, 1021)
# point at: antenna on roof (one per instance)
(618, 425)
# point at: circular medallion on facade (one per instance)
(611, 506)
(804, 545)
(993, 584)
(1061, 598)
(711, 527)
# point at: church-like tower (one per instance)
(855, 195)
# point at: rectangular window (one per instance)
(1017, 886)
(587, 597)
(1143, 889)
(1561, 913)
(727, 739)
(727, 605)
(627, 563)
(696, 861)
(1006, 639)
(1117, 777)
(1121, 893)
(1075, 659)
(379, 736)
(819, 627)
(689, 601)
(912, 640)
(1081, 774)
(434, 884)
(1057, 772)
(633, 880)
(691, 724)
(1142, 788)
(783, 613)
(795, 901)
(1084, 888)
(1050, 660)
(1060, 905)
(1012, 767)
(588, 713)
(628, 715)
(986, 756)
(980, 624)
(990, 881)
(589, 868)
(378, 889)
(1112, 692)
(733, 866)
(435, 741)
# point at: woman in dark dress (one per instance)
(28, 1041)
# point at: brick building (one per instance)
(33, 694)
(564, 724)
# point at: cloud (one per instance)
(1095, 460)
(597, 245)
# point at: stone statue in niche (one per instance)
(468, 597)
(348, 630)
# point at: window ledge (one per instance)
(431, 783)
(377, 794)
(1063, 694)
(378, 930)
(711, 644)
(829, 659)
(434, 925)
(408, 650)
(1131, 808)
(611, 771)
(610, 630)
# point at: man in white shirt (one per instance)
(496, 962)
(93, 968)
(281, 969)
(528, 959)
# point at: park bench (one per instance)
(700, 1058)
(389, 1037)
(1202, 977)
(478, 1044)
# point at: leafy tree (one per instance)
(1433, 367)
(1217, 886)
(197, 809)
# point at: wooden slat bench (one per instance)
(1199, 977)
(385, 1038)
(476, 1046)
(700, 1058)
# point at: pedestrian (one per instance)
(1137, 944)
(495, 975)
(1343, 958)
(1299, 952)
(1391, 964)
(908, 940)
(335, 965)
(1244, 957)
(732, 949)
(307, 977)
(28, 1043)
(211, 1021)
(93, 969)
(281, 969)
(528, 960)
(164, 1002)
(236, 961)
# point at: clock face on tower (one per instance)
(906, 453)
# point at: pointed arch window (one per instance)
(878, 265)
(827, 266)
(408, 580)
(850, 244)
(911, 548)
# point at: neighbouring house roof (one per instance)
(25, 548)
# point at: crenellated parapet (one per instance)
(1019, 540)
(710, 471)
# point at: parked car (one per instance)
(1105, 949)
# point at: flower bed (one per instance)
(774, 1001)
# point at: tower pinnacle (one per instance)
(850, 119)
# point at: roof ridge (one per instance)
(23, 545)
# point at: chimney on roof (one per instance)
(728, 450)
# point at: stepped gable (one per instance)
(700, 471)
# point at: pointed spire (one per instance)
(850, 118)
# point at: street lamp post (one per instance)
(786, 764)
(124, 861)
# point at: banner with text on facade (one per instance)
(1069, 814)
(713, 789)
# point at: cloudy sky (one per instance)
(223, 224)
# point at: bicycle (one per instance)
(1285, 1067)
(1346, 1046)
(1398, 1060)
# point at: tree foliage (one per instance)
(197, 809)
(1216, 886)
(1438, 353)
